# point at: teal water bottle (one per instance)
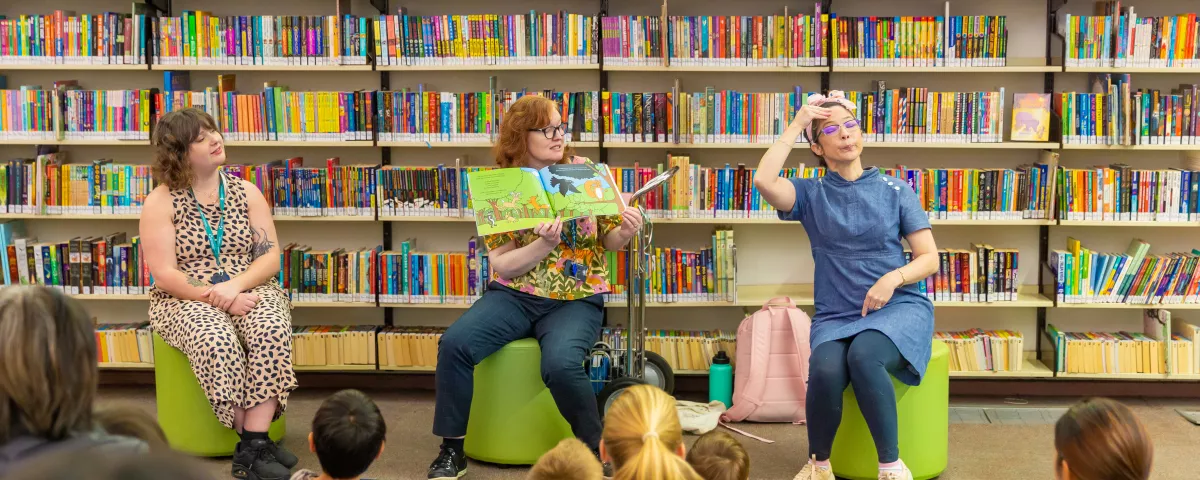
(720, 380)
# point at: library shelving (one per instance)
(1014, 65)
(260, 68)
(73, 67)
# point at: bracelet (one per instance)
(902, 279)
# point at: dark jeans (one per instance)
(867, 362)
(566, 331)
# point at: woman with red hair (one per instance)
(547, 283)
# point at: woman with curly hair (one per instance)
(210, 243)
(547, 284)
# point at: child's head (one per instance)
(1101, 439)
(569, 460)
(719, 456)
(132, 422)
(642, 436)
(347, 434)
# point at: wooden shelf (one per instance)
(715, 146)
(741, 221)
(1127, 376)
(465, 144)
(1033, 368)
(97, 296)
(304, 143)
(979, 145)
(489, 67)
(1114, 223)
(1132, 306)
(334, 368)
(713, 68)
(1131, 70)
(388, 368)
(126, 366)
(1156, 147)
(980, 70)
(330, 218)
(451, 306)
(802, 294)
(690, 372)
(334, 304)
(65, 67)
(264, 68)
(97, 143)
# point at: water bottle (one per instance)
(720, 380)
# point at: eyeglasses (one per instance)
(832, 129)
(550, 131)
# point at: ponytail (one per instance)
(643, 436)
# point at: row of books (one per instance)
(788, 40)
(981, 274)
(67, 38)
(978, 350)
(200, 38)
(409, 275)
(1120, 193)
(1164, 347)
(69, 113)
(675, 275)
(484, 39)
(98, 265)
(917, 115)
(334, 345)
(920, 41)
(1117, 37)
(124, 343)
(1083, 275)
(409, 347)
(1115, 114)
(684, 350)
(421, 116)
(339, 275)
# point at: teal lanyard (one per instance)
(214, 242)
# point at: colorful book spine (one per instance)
(281, 115)
(1115, 114)
(978, 350)
(633, 40)
(97, 265)
(684, 350)
(980, 274)
(98, 188)
(681, 276)
(1121, 193)
(917, 115)
(27, 114)
(920, 41)
(65, 38)
(200, 38)
(414, 276)
(338, 275)
(124, 343)
(710, 116)
(1121, 352)
(1120, 38)
(744, 41)
(419, 191)
(980, 194)
(294, 190)
(105, 115)
(536, 38)
(1136, 276)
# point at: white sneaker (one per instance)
(893, 475)
(812, 472)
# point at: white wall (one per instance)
(768, 254)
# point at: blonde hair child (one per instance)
(569, 460)
(642, 437)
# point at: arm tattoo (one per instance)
(260, 244)
(195, 283)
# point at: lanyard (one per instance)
(214, 241)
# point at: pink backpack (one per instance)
(771, 376)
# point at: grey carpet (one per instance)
(978, 450)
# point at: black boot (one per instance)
(281, 454)
(450, 464)
(253, 460)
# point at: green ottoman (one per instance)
(513, 417)
(184, 412)
(924, 423)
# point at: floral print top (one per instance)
(548, 279)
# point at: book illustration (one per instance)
(1031, 117)
(511, 199)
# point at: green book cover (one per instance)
(511, 199)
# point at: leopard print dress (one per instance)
(240, 361)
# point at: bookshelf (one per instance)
(1026, 70)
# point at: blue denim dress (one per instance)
(855, 230)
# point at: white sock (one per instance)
(896, 466)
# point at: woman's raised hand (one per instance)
(809, 113)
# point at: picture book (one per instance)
(1031, 117)
(511, 199)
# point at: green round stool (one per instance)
(513, 416)
(924, 421)
(184, 412)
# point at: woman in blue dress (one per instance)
(871, 323)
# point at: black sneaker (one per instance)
(281, 454)
(254, 461)
(450, 464)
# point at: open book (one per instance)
(511, 199)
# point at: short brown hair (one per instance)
(569, 460)
(132, 422)
(1101, 439)
(48, 370)
(527, 113)
(719, 456)
(173, 137)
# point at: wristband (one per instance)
(904, 281)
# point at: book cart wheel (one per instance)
(633, 364)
